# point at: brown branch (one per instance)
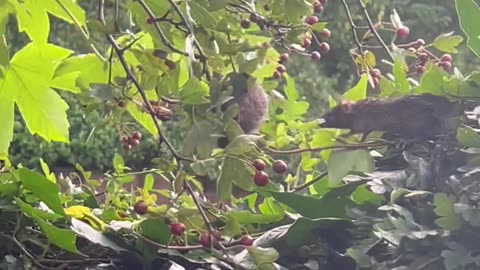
(353, 27)
(131, 77)
(372, 28)
(202, 56)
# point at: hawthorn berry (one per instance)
(279, 166)
(446, 65)
(150, 20)
(325, 33)
(204, 240)
(246, 240)
(259, 165)
(312, 20)
(423, 57)
(177, 228)
(281, 68)
(420, 42)
(140, 208)
(136, 135)
(253, 18)
(376, 72)
(266, 7)
(127, 147)
(306, 43)
(277, 74)
(134, 142)
(420, 70)
(121, 103)
(245, 23)
(403, 32)
(284, 57)
(315, 55)
(260, 178)
(446, 58)
(317, 7)
(324, 47)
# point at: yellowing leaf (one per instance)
(85, 214)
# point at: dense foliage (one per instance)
(295, 196)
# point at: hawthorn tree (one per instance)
(312, 199)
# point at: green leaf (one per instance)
(29, 210)
(447, 42)
(7, 113)
(314, 208)
(90, 69)
(247, 217)
(297, 9)
(444, 208)
(431, 81)
(468, 137)
(341, 162)
(290, 90)
(201, 15)
(156, 230)
(400, 76)
(143, 118)
(233, 171)
(42, 188)
(33, 19)
(194, 92)
(67, 10)
(27, 82)
(62, 238)
(264, 258)
(359, 91)
(468, 13)
(304, 229)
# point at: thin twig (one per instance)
(202, 56)
(131, 77)
(160, 32)
(319, 149)
(311, 182)
(372, 28)
(352, 26)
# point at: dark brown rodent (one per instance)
(416, 116)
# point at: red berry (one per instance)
(260, 178)
(403, 32)
(446, 58)
(136, 135)
(140, 207)
(317, 7)
(150, 20)
(277, 74)
(134, 142)
(121, 103)
(253, 18)
(423, 57)
(284, 57)
(127, 147)
(266, 7)
(245, 23)
(306, 43)
(259, 165)
(324, 47)
(246, 240)
(281, 68)
(325, 33)
(177, 229)
(279, 166)
(446, 65)
(420, 42)
(315, 55)
(311, 20)
(205, 240)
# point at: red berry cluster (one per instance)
(131, 141)
(422, 59)
(445, 62)
(260, 178)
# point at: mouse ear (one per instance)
(345, 105)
